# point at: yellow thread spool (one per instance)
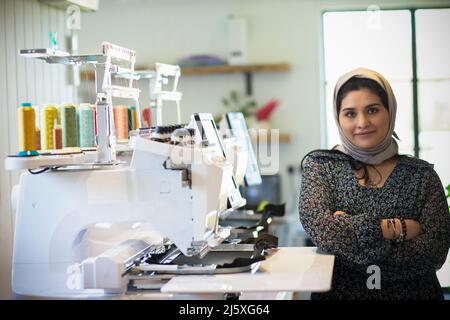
(48, 117)
(26, 127)
(133, 112)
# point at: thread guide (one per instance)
(106, 64)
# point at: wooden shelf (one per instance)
(249, 68)
(283, 138)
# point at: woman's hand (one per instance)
(413, 229)
(386, 229)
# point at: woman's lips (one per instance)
(364, 134)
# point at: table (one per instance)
(290, 269)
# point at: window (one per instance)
(383, 40)
(433, 78)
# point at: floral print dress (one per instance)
(412, 191)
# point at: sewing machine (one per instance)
(84, 218)
(169, 191)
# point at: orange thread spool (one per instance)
(121, 122)
(146, 117)
(38, 139)
(58, 137)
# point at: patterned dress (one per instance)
(412, 191)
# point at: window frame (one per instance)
(415, 101)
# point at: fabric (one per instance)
(388, 147)
(412, 191)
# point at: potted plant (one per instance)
(257, 118)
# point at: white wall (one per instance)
(23, 24)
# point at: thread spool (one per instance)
(37, 122)
(146, 117)
(86, 125)
(130, 119)
(58, 114)
(69, 125)
(94, 108)
(121, 122)
(58, 137)
(37, 116)
(26, 130)
(133, 113)
(38, 139)
(48, 119)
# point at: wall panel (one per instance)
(23, 24)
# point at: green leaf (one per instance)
(225, 102)
(234, 97)
(252, 104)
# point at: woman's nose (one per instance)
(363, 121)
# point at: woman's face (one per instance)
(363, 118)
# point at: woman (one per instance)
(383, 215)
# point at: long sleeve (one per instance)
(428, 250)
(358, 238)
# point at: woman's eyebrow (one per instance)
(373, 105)
(368, 106)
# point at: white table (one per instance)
(443, 274)
(290, 269)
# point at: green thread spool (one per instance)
(53, 39)
(130, 119)
(69, 125)
(86, 126)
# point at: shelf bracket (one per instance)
(248, 83)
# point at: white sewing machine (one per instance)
(82, 219)
(168, 191)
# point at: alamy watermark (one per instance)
(374, 280)
(265, 145)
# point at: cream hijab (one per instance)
(388, 147)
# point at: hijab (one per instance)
(388, 147)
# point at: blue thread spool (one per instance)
(86, 126)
